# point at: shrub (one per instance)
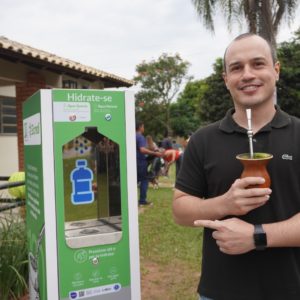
(13, 257)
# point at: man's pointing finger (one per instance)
(208, 224)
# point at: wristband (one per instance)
(260, 237)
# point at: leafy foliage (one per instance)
(216, 99)
(288, 91)
(183, 119)
(13, 258)
(185, 112)
(262, 16)
(160, 81)
(201, 102)
(152, 115)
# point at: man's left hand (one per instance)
(233, 236)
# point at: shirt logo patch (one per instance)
(287, 157)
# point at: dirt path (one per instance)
(165, 282)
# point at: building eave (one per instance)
(39, 59)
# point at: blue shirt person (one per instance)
(141, 160)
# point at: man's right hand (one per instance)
(240, 199)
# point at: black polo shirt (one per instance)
(209, 168)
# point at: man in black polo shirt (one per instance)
(251, 242)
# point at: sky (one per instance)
(116, 35)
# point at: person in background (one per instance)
(166, 143)
(176, 145)
(142, 163)
(188, 138)
(154, 162)
(170, 156)
(151, 145)
(251, 239)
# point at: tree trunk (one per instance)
(169, 129)
(265, 28)
(250, 10)
(259, 17)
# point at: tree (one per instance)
(185, 112)
(152, 116)
(288, 90)
(216, 100)
(160, 81)
(263, 17)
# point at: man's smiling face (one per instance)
(250, 73)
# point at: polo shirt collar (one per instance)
(281, 119)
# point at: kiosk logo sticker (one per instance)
(32, 130)
(71, 112)
(80, 256)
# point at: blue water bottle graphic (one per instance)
(81, 178)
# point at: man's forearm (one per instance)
(187, 208)
(285, 233)
(237, 201)
(149, 152)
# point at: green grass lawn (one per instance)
(161, 238)
(167, 245)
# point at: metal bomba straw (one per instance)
(249, 131)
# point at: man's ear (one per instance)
(277, 69)
(225, 79)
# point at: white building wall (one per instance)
(8, 91)
(8, 155)
(8, 143)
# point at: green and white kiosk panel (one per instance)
(81, 195)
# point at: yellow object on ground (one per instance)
(19, 191)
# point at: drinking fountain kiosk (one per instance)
(81, 195)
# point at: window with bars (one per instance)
(8, 118)
(69, 84)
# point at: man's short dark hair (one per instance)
(138, 124)
(249, 34)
